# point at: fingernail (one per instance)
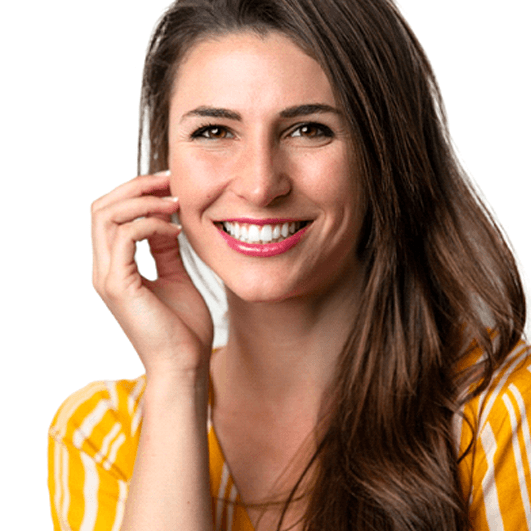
(164, 172)
(171, 198)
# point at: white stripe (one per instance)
(107, 442)
(525, 422)
(232, 500)
(458, 422)
(65, 503)
(490, 493)
(516, 446)
(72, 404)
(114, 450)
(120, 506)
(57, 473)
(61, 488)
(135, 393)
(113, 393)
(90, 493)
(516, 359)
(221, 496)
(136, 408)
(93, 418)
(137, 416)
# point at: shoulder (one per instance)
(98, 416)
(506, 398)
(508, 394)
(495, 429)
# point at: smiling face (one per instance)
(261, 161)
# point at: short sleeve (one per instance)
(500, 497)
(91, 453)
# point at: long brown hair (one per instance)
(438, 270)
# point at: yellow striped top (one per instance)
(94, 436)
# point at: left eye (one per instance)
(312, 130)
(212, 132)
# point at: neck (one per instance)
(283, 354)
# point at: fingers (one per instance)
(125, 216)
(167, 257)
(107, 221)
(123, 272)
(129, 209)
(155, 185)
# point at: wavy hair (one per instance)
(438, 270)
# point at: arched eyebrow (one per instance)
(290, 112)
(307, 109)
(213, 112)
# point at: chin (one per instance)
(258, 295)
(265, 292)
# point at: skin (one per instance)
(263, 165)
(288, 314)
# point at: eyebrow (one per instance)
(290, 112)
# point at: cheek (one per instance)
(330, 180)
(192, 177)
(197, 181)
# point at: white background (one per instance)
(70, 86)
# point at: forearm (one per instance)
(170, 488)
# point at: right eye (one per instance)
(212, 132)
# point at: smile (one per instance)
(263, 238)
(268, 233)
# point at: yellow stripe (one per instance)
(88, 485)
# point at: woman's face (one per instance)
(261, 163)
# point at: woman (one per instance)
(373, 376)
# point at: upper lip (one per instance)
(262, 221)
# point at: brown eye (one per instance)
(312, 130)
(309, 130)
(216, 132)
(212, 132)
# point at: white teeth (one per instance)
(266, 234)
(254, 233)
(261, 233)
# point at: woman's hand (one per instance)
(166, 320)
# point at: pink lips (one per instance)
(263, 250)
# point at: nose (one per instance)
(260, 176)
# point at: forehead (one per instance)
(249, 71)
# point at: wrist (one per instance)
(169, 389)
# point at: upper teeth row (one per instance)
(260, 233)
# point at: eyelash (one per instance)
(199, 133)
(324, 131)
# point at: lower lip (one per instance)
(263, 250)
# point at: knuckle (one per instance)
(97, 282)
(125, 230)
(95, 206)
(97, 286)
(111, 290)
